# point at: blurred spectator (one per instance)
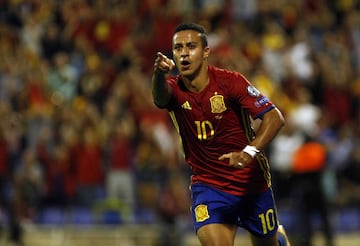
(27, 193)
(52, 42)
(4, 180)
(244, 10)
(298, 56)
(89, 167)
(309, 162)
(120, 183)
(31, 30)
(63, 78)
(29, 186)
(281, 153)
(304, 115)
(273, 52)
(149, 174)
(60, 179)
(173, 206)
(349, 173)
(113, 26)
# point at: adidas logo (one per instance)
(186, 105)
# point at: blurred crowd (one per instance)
(77, 122)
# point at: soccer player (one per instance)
(212, 109)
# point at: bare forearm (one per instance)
(271, 124)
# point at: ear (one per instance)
(206, 52)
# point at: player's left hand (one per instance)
(237, 159)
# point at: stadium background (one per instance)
(85, 157)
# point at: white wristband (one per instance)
(251, 150)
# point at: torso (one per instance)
(217, 121)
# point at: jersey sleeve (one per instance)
(171, 81)
(246, 95)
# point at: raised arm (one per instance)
(161, 91)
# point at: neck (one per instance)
(198, 81)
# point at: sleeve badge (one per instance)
(252, 91)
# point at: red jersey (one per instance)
(217, 121)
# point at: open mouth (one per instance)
(185, 64)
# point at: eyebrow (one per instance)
(188, 43)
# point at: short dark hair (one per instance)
(195, 27)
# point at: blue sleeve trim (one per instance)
(260, 115)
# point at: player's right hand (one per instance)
(163, 64)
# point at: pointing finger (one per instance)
(167, 60)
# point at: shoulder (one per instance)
(230, 81)
(173, 80)
(225, 75)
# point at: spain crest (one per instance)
(217, 104)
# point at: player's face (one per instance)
(188, 52)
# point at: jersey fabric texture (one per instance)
(217, 121)
(255, 213)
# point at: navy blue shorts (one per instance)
(255, 213)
